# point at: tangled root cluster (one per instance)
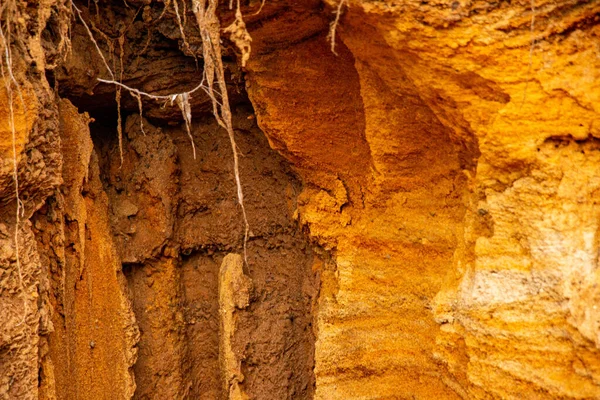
(212, 82)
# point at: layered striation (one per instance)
(464, 227)
(442, 241)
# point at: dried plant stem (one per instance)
(213, 80)
(181, 26)
(118, 98)
(91, 35)
(208, 23)
(262, 4)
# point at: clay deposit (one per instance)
(422, 199)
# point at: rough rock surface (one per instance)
(465, 241)
(441, 242)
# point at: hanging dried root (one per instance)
(119, 123)
(334, 24)
(91, 35)
(213, 81)
(141, 111)
(208, 23)
(183, 101)
(262, 4)
(181, 25)
(239, 35)
(118, 98)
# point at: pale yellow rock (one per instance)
(234, 293)
(469, 269)
(24, 113)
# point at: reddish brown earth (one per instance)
(424, 203)
(131, 252)
(175, 220)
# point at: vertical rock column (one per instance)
(234, 293)
(95, 337)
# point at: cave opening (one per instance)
(174, 218)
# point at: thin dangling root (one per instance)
(334, 24)
(239, 35)
(213, 74)
(208, 23)
(183, 101)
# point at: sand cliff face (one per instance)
(455, 180)
(427, 230)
